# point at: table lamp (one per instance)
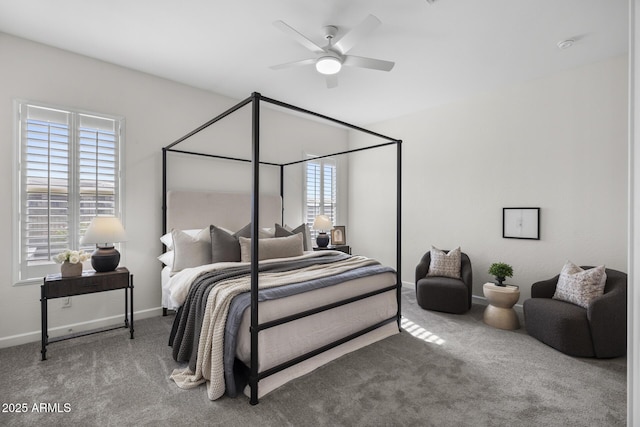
(322, 223)
(104, 231)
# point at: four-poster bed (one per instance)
(372, 290)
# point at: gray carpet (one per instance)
(459, 372)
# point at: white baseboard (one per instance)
(406, 284)
(34, 336)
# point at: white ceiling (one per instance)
(443, 51)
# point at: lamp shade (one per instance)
(104, 230)
(322, 222)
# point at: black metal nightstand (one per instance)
(342, 248)
(56, 286)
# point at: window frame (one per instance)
(20, 274)
(310, 158)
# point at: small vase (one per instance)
(499, 281)
(68, 269)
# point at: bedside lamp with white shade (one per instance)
(104, 231)
(322, 223)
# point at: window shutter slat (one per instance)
(321, 189)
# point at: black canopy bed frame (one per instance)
(255, 100)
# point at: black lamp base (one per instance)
(105, 259)
(322, 240)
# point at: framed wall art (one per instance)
(339, 235)
(521, 223)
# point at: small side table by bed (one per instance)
(56, 286)
(342, 248)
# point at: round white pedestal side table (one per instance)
(500, 313)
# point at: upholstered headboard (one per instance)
(197, 209)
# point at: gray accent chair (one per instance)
(444, 293)
(597, 331)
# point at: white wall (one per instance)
(558, 143)
(157, 112)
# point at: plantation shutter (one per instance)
(329, 189)
(98, 173)
(45, 177)
(321, 189)
(68, 173)
(314, 198)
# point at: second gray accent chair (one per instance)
(597, 331)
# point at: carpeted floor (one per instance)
(456, 371)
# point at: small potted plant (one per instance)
(500, 271)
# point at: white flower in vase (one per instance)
(73, 257)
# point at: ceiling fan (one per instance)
(330, 58)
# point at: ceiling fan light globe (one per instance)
(328, 65)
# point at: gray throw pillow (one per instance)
(190, 251)
(276, 247)
(302, 228)
(225, 246)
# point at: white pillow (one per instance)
(191, 251)
(167, 258)
(167, 239)
(579, 286)
(276, 247)
(445, 264)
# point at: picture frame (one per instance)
(521, 223)
(339, 235)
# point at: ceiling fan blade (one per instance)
(304, 41)
(374, 64)
(294, 64)
(349, 40)
(332, 80)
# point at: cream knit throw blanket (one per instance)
(210, 364)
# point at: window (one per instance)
(320, 177)
(68, 172)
